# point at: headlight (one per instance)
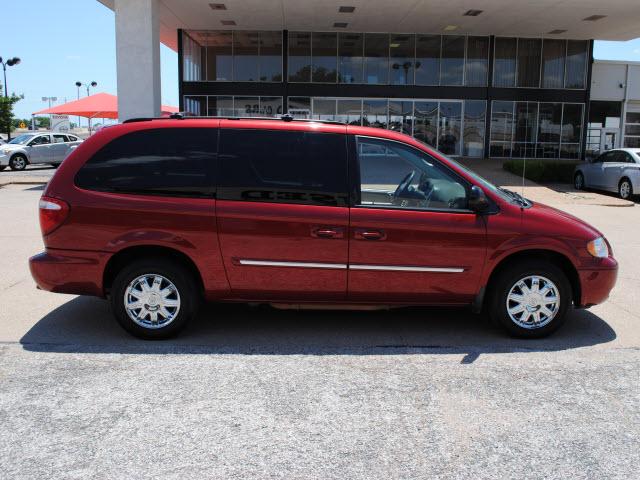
(598, 248)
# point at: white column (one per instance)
(137, 58)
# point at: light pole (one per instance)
(9, 63)
(88, 85)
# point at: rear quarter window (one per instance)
(164, 161)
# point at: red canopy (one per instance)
(100, 105)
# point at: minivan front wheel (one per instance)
(530, 299)
(154, 298)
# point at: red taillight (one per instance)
(52, 213)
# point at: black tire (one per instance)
(18, 162)
(578, 181)
(2, 167)
(625, 189)
(55, 165)
(172, 271)
(509, 277)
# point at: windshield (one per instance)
(21, 139)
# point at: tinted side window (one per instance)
(283, 167)
(167, 161)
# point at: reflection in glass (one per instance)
(549, 118)
(452, 66)
(428, 59)
(474, 128)
(270, 56)
(219, 56)
(529, 62)
(299, 107)
(504, 74)
(350, 57)
(376, 51)
(425, 128)
(193, 60)
(324, 109)
(245, 56)
(246, 106)
(576, 63)
(571, 123)
(402, 52)
(502, 124)
(270, 106)
(324, 57)
(299, 56)
(553, 52)
(350, 112)
(220, 106)
(450, 123)
(374, 113)
(477, 61)
(195, 105)
(401, 116)
(524, 143)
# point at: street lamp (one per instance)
(9, 63)
(88, 85)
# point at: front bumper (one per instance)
(67, 271)
(597, 283)
(4, 159)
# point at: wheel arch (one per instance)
(129, 254)
(20, 154)
(552, 256)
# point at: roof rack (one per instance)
(182, 116)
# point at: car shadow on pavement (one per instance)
(85, 325)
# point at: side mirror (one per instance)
(478, 201)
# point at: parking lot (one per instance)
(253, 392)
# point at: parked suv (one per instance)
(157, 214)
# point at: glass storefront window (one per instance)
(553, 55)
(474, 128)
(401, 116)
(376, 52)
(502, 124)
(525, 131)
(270, 106)
(219, 56)
(549, 120)
(220, 106)
(374, 113)
(324, 57)
(571, 123)
(299, 57)
(402, 53)
(323, 109)
(577, 51)
(270, 56)
(350, 57)
(428, 59)
(529, 62)
(450, 126)
(299, 107)
(504, 74)
(246, 49)
(195, 105)
(632, 130)
(452, 66)
(477, 60)
(349, 111)
(425, 126)
(193, 59)
(246, 106)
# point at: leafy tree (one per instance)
(6, 111)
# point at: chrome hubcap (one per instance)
(625, 188)
(533, 302)
(19, 163)
(152, 301)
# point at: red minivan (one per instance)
(158, 214)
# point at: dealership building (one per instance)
(493, 78)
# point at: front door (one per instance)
(59, 148)
(283, 213)
(608, 139)
(412, 238)
(40, 149)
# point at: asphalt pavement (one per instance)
(253, 392)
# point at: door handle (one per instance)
(327, 232)
(369, 234)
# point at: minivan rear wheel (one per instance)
(530, 299)
(154, 298)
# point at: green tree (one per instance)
(6, 111)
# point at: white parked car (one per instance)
(37, 147)
(616, 170)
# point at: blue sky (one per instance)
(74, 40)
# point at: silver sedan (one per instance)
(37, 147)
(615, 170)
